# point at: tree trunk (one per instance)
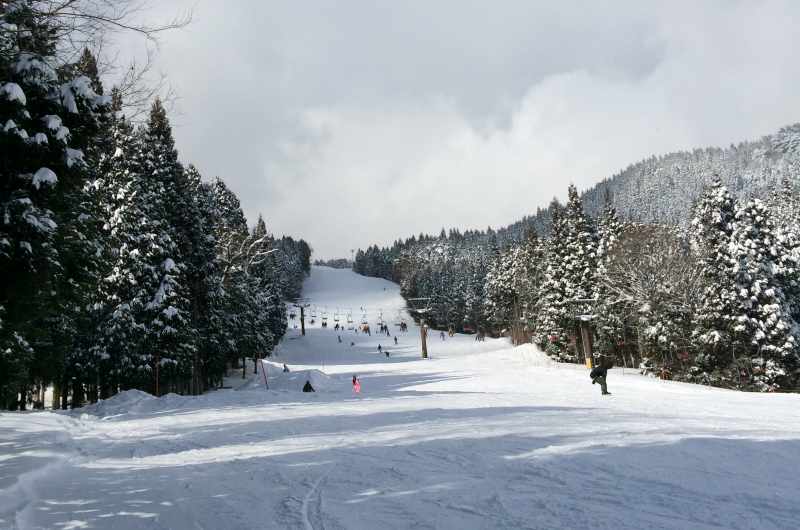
(56, 395)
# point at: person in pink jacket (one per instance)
(356, 385)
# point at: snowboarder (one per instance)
(307, 387)
(356, 385)
(285, 368)
(395, 340)
(598, 375)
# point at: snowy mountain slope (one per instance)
(663, 188)
(479, 436)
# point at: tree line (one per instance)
(714, 301)
(120, 267)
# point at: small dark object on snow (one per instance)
(285, 368)
(307, 387)
(387, 354)
(379, 348)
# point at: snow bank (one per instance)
(135, 402)
(125, 401)
(533, 356)
(294, 381)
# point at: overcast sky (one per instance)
(349, 123)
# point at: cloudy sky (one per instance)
(349, 123)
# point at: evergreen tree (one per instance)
(712, 229)
(763, 324)
(48, 120)
(609, 322)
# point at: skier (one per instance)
(356, 385)
(307, 387)
(598, 375)
(285, 368)
(387, 353)
(395, 340)
(379, 348)
(340, 338)
(441, 335)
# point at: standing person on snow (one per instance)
(395, 340)
(599, 373)
(379, 348)
(356, 385)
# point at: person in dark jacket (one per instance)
(598, 375)
(307, 387)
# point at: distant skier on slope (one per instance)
(395, 340)
(379, 348)
(599, 373)
(356, 385)
(285, 368)
(307, 387)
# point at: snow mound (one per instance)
(532, 355)
(125, 401)
(294, 381)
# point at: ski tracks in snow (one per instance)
(314, 495)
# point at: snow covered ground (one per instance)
(479, 436)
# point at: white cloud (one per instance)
(351, 124)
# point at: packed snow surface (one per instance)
(481, 435)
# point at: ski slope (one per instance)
(481, 435)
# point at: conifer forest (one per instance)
(122, 268)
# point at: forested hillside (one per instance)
(685, 265)
(662, 189)
(121, 267)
